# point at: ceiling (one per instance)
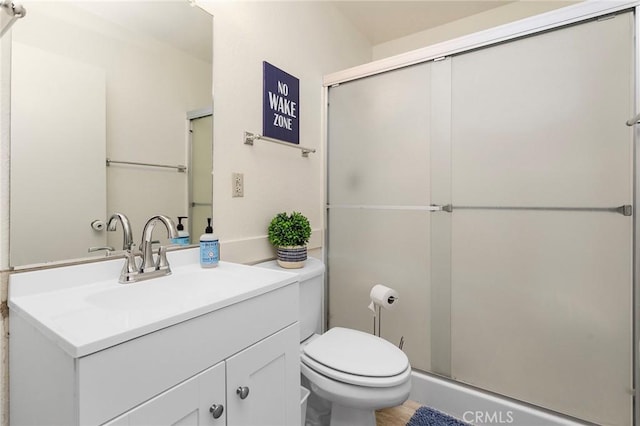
(174, 22)
(189, 28)
(381, 21)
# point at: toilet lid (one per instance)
(357, 353)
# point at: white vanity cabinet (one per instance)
(253, 393)
(245, 337)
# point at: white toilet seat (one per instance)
(354, 379)
(357, 358)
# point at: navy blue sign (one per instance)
(280, 105)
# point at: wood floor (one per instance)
(396, 416)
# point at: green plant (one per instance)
(289, 230)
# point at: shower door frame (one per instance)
(573, 14)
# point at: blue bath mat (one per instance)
(425, 416)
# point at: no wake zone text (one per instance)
(284, 109)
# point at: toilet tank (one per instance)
(311, 278)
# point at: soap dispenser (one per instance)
(183, 236)
(209, 247)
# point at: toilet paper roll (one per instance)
(98, 225)
(383, 296)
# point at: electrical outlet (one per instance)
(237, 185)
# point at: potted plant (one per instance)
(290, 235)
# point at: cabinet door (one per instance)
(186, 404)
(270, 372)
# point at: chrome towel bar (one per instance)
(625, 210)
(180, 168)
(250, 137)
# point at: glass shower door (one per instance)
(378, 204)
(493, 190)
(540, 231)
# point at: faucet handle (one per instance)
(108, 249)
(163, 263)
(130, 268)
(131, 263)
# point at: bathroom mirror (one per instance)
(95, 80)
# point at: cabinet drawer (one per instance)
(113, 381)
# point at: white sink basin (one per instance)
(184, 287)
(131, 297)
(84, 309)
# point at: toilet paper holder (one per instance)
(381, 297)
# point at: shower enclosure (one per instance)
(494, 189)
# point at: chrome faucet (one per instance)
(130, 268)
(161, 265)
(149, 268)
(127, 236)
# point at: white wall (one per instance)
(481, 21)
(307, 40)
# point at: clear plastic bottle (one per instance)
(209, 247)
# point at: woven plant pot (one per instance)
(292, 257)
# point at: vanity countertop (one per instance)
(84, 309)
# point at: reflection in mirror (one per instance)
(102, 80)
(200, 183)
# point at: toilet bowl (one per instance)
(357, 372)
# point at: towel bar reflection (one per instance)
(250, 137)
(180, 168)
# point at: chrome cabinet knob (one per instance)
(243, 392)
(216, 410)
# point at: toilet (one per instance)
(356, 371)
